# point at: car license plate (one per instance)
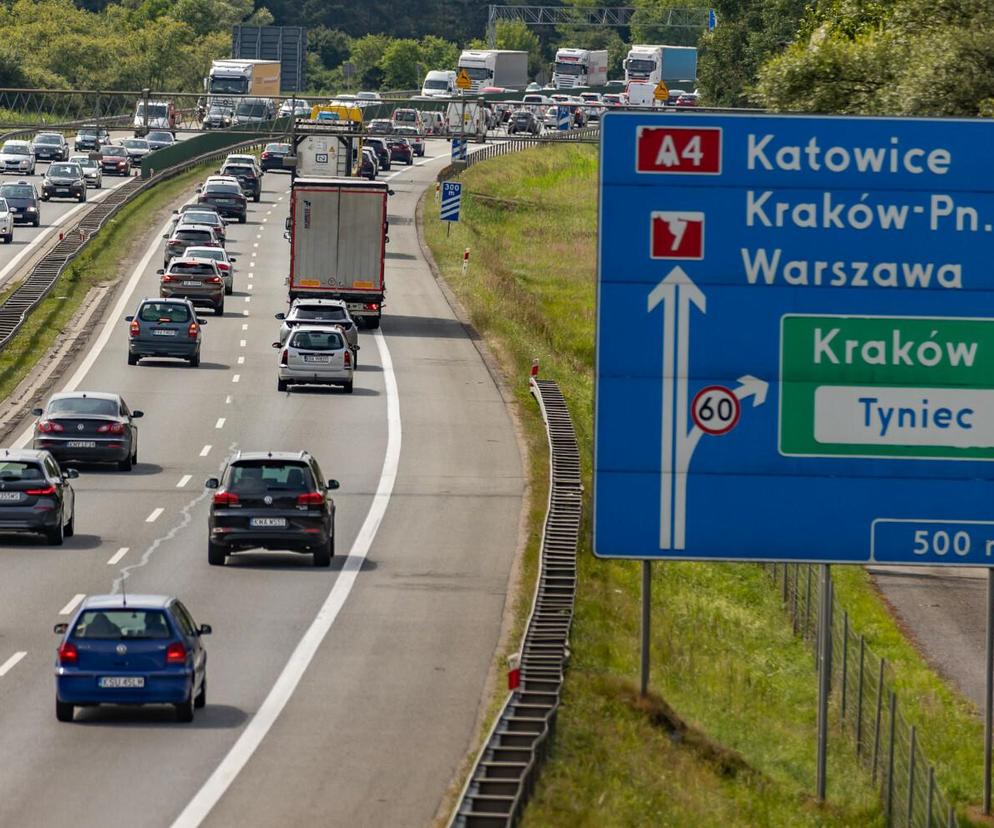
(121, 681)
(163, 332)
(355, 306)
(62, 189)
(189, 283)
(261, 522)
(9, 497)
(225, 201)
(81, 444)
(320, 359)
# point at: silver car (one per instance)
(6, 222)
(198, 280)
(91, 170)
(315, 356)
(17, 157)
(306, 313)
(224, 262)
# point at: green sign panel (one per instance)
(887, 386)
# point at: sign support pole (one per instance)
(646, 625)
(989, 692)
(824, 676)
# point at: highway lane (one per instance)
(418, 628)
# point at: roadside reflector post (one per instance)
(513, 672)
(438, 192)
(534, 367)
(465, 261)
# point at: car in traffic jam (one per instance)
(88, 427)
(63, 181)
(114, 160)
(166, 328)
(36, 496)
(22, 198)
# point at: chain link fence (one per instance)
(867, 706)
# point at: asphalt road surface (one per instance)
(336, 697)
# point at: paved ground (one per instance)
(431, 486)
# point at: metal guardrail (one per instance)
(46, 272)
(505, 770)
(867, 707)
(496, 148)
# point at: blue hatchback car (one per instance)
(134, 649)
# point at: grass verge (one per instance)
(98, 264)
(724, 660)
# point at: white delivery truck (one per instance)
(502, 68)
(338, 234)
(439, 83)
(466, 118)
(579, 67)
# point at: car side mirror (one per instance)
(37, 412)
(201, 322)
(60, 629)
(386, 240)
(137, 414)
(160, 271)
(280, 315)
(70, 474)
(205, 629)
(286, 224)
(212, 483)
(334, 484)
(129, 319)
(277, 345)
(391, 192)
(165, 235)
(232, 259)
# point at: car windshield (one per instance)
(16, 149)
(436, 84)
(641, 65)
(48, 139)
(63, 170)
(332, 313)
(316, 341)
(259, 476)
(154, 110)
(191, 269)
(86, 133)
(220, 111)
(14, 470)
(17, 191)
(160, 136)
(136, 143)
(117, 152)
(164, 312)
(251, 110)
(123, 623)
(83, 405)
(229, 86)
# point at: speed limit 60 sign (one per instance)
(716, 410)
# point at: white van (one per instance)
(439, 83)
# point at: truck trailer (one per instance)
(579, 67)
(338, 233)
(495, 67)
(231, 79)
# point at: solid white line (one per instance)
(184, 480)
(219, 423)
(118, 555)
(73, 603)
(205, 450)
(111, 326)
(154, 515)
(11, 663)
(250, 739)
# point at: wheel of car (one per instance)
(56, 534)
(256, 197)
(70, 529)
(184, 710)
(8, 238)
(229, 289)
(37, 222)
(125, 464)
(219, 310)
(410, 161)
(281, 385)
(372, 322)
(200, 701)
(348, 387)
(64, 711)
(82, 196)
(242, 219)
(195, 360)
(322, 554)
(132, 359)
(215, 554)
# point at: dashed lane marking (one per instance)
(116, 557)
(73, 603)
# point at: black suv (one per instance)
(250, 182)
(35, 495)
(91, 138)
(227, 199)
(22, 198)
(379, 146)
(271, 500)
(63, 180)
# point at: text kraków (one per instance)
(895, 350)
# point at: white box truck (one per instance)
(495, 67)
(338, 233)
(230, 79)
(579, 67)
(439, 83)
(322, 156)
(676, 65)
(466, 118)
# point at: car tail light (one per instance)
(193, 330)
(348, 359)
(372, 306)
(111, 428)
(45, 492)
(283, 357)
(310, 499)
(176, 653)
(223, 498)
(135, 327)
(167, 277)
(222, 266)
(215, 280)
(265, 155)
(47, 427)
(68, 654)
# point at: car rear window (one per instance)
(317, 341)
(160, 136)
(222, 189)
(83, 405)
(193, 236)
(191, 269)
(215, 253)
(123, 623)
(16, 149)
(277, 148)
(12, 471)
(237, 170)
(164, 312)
(194, 217)
(250, 476)
(320, 313)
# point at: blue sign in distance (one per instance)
(795, 340)
(460, 149)
(562, 118)
(451, 199)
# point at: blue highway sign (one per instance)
(562, 117)
(795, 340)
(451, 200)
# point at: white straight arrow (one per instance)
(665, 293)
